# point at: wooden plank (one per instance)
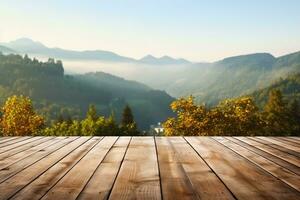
(18, 144)
(28, 153)
(6, 139)
(290, 140)
(175, 185)
(243, 178)
(281, 144)
(280, 154)
(27, 187)
(73, 182)
(3, 138)
(275, 146)
(10, 185)
(9, 171)
(101, 183)
(297, 138)
(138, 177)
(23, 148)
(200, 180)
(267, 155)
(14, 141)
(281, 173)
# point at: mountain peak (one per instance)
(164, 60)
(148, 57)
(25, 44)
(26, 41)
(250, 56)
(260, 60)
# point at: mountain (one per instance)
(257, 60)
(6, 50)
(33, 48)
(208, 82)
(232, 76)
(28, 46)
(53, 92)
(165, 60)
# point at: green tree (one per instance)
(128, 125)
(294, 110)
(276, 114)
(107, 126)
(127, 116)
(92, 113)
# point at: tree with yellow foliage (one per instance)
(238, 116)
(18, 117)
(190, 118)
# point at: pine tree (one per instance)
(127, 116)
(275, 102)
(92, 113)
(294, 111)
(128, 125)
(276, 114)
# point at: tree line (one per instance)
(231, 117)
(18, 118)
(235, 117)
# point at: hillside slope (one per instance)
(234, 76)
(289, 86)
(54, 92)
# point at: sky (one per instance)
(197, 30)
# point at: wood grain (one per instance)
(138, 177)
(82, 168)
(99, 186)
(240, 175)
(41, 185)
(274, 151)
(13, 141)
(281, 173)
(24, 147)
(74, 181)
(280, 143)
(271, 157)
(8, 171)
(19, 180)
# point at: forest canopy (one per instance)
(235, 117)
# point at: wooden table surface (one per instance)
(149, 168)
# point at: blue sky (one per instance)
(193, 29)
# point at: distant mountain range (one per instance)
(28, 46)
(233, 76)
(165, 60)
(209, 82)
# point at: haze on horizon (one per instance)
(192, 29)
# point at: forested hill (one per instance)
(233, 76)
(289, 86)
(57, 94)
